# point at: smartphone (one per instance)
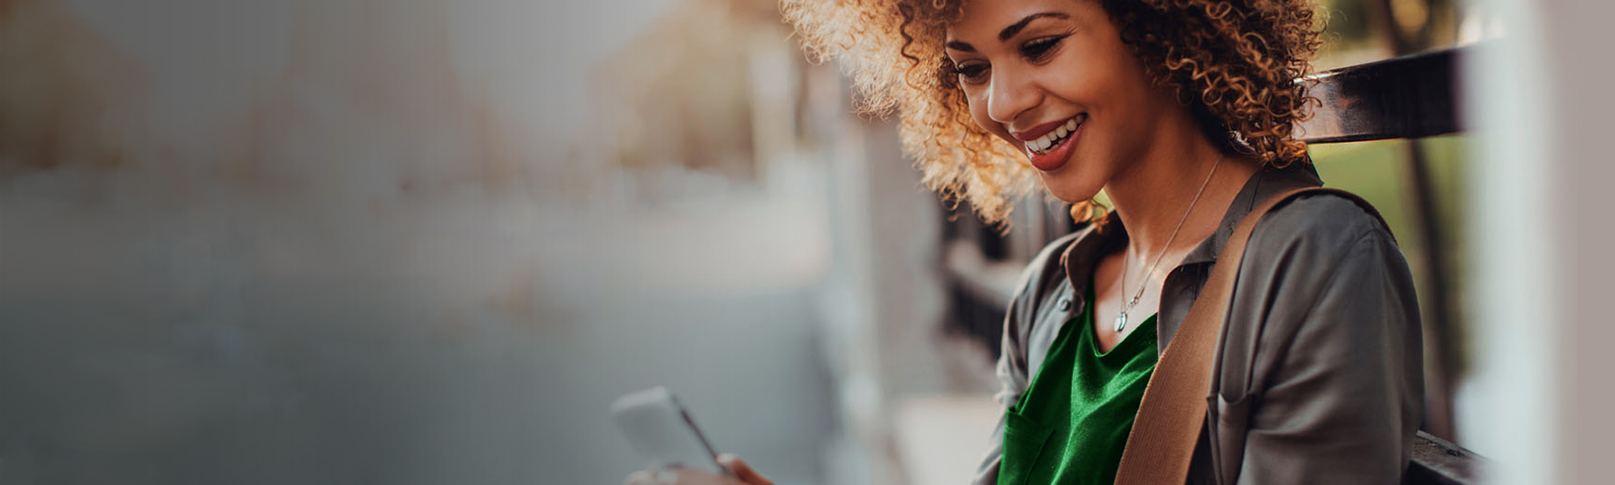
(662, 432)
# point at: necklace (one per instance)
(1121, 318)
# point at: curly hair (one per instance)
(1233, 63)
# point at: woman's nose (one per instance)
(1009, 96)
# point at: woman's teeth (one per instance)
(1042, 145)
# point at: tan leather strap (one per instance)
(1173, 410)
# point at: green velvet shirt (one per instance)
(1071, 424)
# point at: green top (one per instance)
(1071, 424)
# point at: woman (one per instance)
(1182, 112)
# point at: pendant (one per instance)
(1121, 321)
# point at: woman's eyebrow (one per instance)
(1009, 31)
(1016, 27)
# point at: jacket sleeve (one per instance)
(1336, 396)
(1012, 359)
(987, 473)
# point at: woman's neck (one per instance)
(1152, 195)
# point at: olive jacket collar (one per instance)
(1186, 280)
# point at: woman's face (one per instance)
(1053, 78)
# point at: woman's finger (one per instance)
(742, 471)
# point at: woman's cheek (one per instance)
(994, 128)
(978, 112)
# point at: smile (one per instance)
(1043, 144)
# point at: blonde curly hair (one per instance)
(1234, 63)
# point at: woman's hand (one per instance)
(744, 475)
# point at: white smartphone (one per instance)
(662, 432)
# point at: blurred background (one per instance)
(430, 241)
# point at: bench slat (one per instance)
(1406, 97)
(1439, 462)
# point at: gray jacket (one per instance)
(1319, 376)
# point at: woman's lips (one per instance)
(1056, 157)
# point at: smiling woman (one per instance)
(1182, 112)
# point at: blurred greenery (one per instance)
(1348, 23)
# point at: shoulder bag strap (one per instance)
(1174, 405)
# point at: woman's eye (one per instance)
(1038, 48)
(972, 73)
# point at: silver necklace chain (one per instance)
(1121, 318)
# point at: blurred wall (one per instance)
(373, 241)
(1541, 107)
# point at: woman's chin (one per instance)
(1069, 192)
